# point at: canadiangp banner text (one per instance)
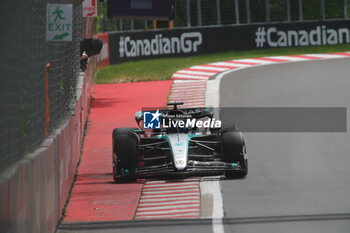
(131, 46)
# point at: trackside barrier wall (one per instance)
(33, 192)
(140, 45)
(24, 120)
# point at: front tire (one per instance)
(125, 153)
(233, 150)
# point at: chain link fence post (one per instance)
(322, 8)
(301, 15)
(247, 5)
(188, 13)
(237, 11)
(267, 10)
(199, 12)
(218, 12)
(288, 11)
(345, 9)
(121, 25)
(132, 25)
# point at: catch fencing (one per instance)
(196, 13)
(24, 56)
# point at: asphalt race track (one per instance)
(297, 182)
(300, 181)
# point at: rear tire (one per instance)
(122, 131)
(225, 128)
(233, 151)
(125, 153)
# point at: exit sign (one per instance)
(59, 22)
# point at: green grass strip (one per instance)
(162, 69)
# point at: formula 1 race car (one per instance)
(180, 142)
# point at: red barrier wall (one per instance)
(34, 190)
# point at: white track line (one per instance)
(212, 95)
(212, 188)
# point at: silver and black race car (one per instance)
(183, 142)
